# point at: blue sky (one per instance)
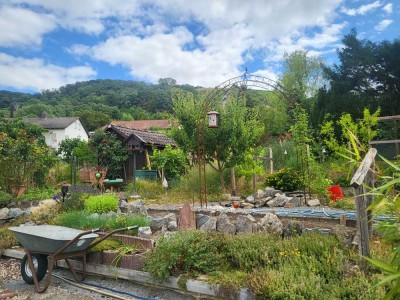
(45, 44)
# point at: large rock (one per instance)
(224, 224)
(16, 213)
(278, 201)
(294, 201)
(313, 202)
(293, 228)
(172, 226)
(210, 225)
(250, 199)
(144, 231)
(157, 223)
(246, 205)
(4, 213)
(137, 207)
(201, 219)
(270, 224)
(261, 202)
(259, 194)
(271, 192)
(245, 224)
(187, 218)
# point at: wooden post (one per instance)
(358, 183)
(342, 220)
(233, 181)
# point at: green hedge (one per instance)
(101, 203)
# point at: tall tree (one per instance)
(225, 146)
(302, 77)
(368, 75)
(24, 155)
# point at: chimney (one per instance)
(44, 115)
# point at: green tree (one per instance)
(336, 135)
(226, 146)
(66, 147)
(23, 154)
(368, 75)
(172, 160)
(93, 119)
(110, 153)
(34, 110)
(302, 77)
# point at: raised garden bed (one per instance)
(117, 258)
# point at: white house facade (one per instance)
(59, 129)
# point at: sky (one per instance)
(45, 44)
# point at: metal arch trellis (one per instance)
(245, 80)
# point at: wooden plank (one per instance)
(363, 169)
(384, 142)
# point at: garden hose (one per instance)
(88, 288)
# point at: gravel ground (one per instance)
(11, 283)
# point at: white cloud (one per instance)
(383, 24)
(22, 27)
(388, 8)
(362, 10)
(35, 74)
(163, 55)
(228, 34)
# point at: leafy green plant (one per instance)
(101, 203)
(24, 154)
(5, 199)
(172, 160)
(191, 251)
(84, 220)
(149, 189)
(388, 202)
(285, 179)
(39, 193)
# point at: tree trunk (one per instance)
(221, 176)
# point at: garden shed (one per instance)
(140, 144)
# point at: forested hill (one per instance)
(96, 101)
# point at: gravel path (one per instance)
(11, 283)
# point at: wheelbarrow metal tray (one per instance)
(49, 238)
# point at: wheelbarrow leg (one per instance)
(35, 279)
(71, 268)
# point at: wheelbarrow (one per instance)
(45, 244)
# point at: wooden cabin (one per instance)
(140, 144)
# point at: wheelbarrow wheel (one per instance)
(40, 264)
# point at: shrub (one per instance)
(149, 189)
(285, 179)
(190, 182)
(5, 199)
(39, 193)
(76, 197)
(101, 203)
(189, 251)
(45, 213)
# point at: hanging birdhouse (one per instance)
(213, 119)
